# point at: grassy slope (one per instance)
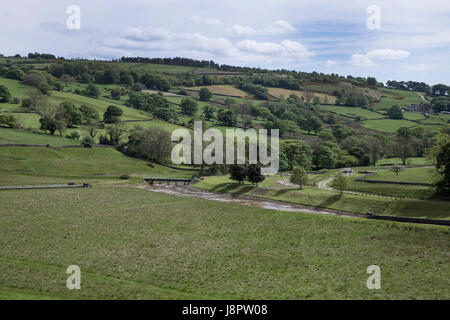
(424, 174)
(20, 165)
(329, 199)
(353, 112)
(136, 244)
(394, 97)
(388, 125)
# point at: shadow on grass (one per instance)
(330, 200)
(234, 188)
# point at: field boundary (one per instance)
(52, 147)
(411, 220)
(363, 179)
(46, 186)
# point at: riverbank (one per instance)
(355, 204)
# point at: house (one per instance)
(347, 171)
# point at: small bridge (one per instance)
(152, 181)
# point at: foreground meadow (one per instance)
(137, 244)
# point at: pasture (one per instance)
(387, 125)
(225, 90)
(136, 244)
(393, 97)
(353, 112)
(332, 199)
(324, 98)
(36, 165)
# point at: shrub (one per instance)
(88, 142)
(16, 100)
(26, 103)
(75, 135)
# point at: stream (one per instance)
(191, 192)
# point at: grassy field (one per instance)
(415, 161)
(387, 125)
(278, 92)
(414, 192)
(423, 174)
(226, 90)
(31, 165)
(353, 112)
(333, 200)
(397, 97)
(136, 244)
(32, 137)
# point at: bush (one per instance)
(5, 95)
(125, 177)
(26, 103)
(88, 142)
(75, 135)
(16, 100)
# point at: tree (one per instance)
(5, 95)
(395, 112)
(91, 91)
(402, 144)
(208, 112)
(443, 168)
(325, 158)
(150, 144)
(238, 173)
(112, 114)
(189, 106)
(8, 120)
(226, 117)
(52, 118)
(205, 94)
(299, 176)
(254, 174)
(90, 115)
(340, 182)
(72, 114)
(295, 154)
(115, 94)
(115, 133)
(396, 169)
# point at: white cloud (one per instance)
(206, 21)
(286, 49)
(330, 63)
(369, 59)
(279, 27)
(146, 34)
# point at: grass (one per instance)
(415, 161)
(423, 174)
(30, 165)
(226, 90)
(353, 112)
(397, 97)
(278, 92)
(32, 137)
(136, 244)
(388, 125)
(332, 200)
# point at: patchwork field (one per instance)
(333, 200)
(353, 112)
(33, 165)
(388, 125)
(397, 97)
(324, 98)
(423, 174)
(225, 90)
(136, 244)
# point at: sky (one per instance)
(388, 39)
